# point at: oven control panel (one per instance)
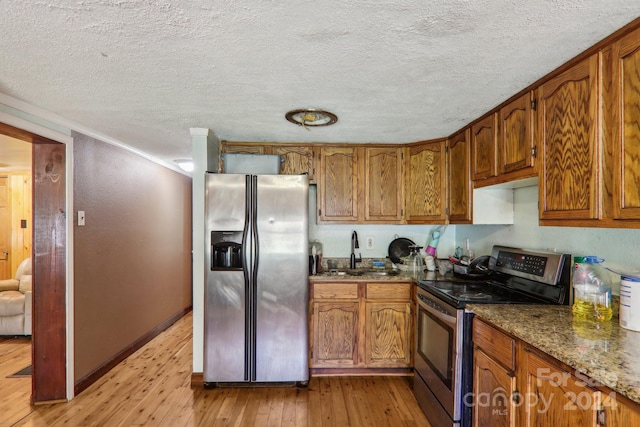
(545, 267)
(525, 263)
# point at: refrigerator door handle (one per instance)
(247, 272)
(255, 245)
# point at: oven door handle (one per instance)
(436, 311)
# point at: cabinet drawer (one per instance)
(378, 290)
(495, 343)
(335, 290)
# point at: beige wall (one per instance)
(133, 256)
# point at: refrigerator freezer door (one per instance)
(282, 291)
(226, 358)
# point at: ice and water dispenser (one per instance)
(226, 250)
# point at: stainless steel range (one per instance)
(444, 350)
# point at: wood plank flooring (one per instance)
(15, 393)
(153, 388)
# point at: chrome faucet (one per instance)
(354, 245)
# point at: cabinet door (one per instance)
(387, 337)
(459, 178)
(242, 148)
(483, 148)
(515, 138)
(494, 391)
(553, 397)
(338, 184)
(384, 185)
(568, 118)
(619, 411)
(426, 183)
(625, 96)
(335, 333)
(239, 148)
(296, 160)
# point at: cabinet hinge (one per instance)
(446, 149)
(534, 104)
(534, 151)
(446, 211)
(601, 417)
(515, 397)
(319, 212)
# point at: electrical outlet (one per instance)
(370, 242)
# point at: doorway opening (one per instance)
(48, 255)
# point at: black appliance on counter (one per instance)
(444, 349)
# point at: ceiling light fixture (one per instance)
(309, 117)
(185, 164)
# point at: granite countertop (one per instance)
(364, 271)
(609, 355)
(389, 276)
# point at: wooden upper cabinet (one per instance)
(239, 148)
(338, 184)
(516, 145)
(459, 148)
(625, 97)
(242, 148)
(296, 159)
(426, 183)
(483, 148)
(568, 137)
(383, 185)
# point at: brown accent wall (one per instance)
(133, 257)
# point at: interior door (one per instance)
(5, 229)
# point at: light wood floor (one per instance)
(152, 388)
(15, 354)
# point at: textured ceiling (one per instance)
(145, 71)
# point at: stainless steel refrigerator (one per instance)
(257, 293)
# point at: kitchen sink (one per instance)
(384, 272)
(362, 272)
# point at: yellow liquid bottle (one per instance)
(591, 290)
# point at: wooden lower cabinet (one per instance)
(387, 334)
(494, 387)
(515, 384)
(553, 396)
(494, 378)
(335, 326)
(361, 327)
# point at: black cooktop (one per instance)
(459, 293)
(514, 275)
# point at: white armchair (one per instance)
(16, 302)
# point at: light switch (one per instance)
(80, 218)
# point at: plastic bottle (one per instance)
(591, 290)
(416, 264)
(433, 244)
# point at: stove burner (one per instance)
(474, 295)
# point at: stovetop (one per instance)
(516, 276)
(460, 293)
